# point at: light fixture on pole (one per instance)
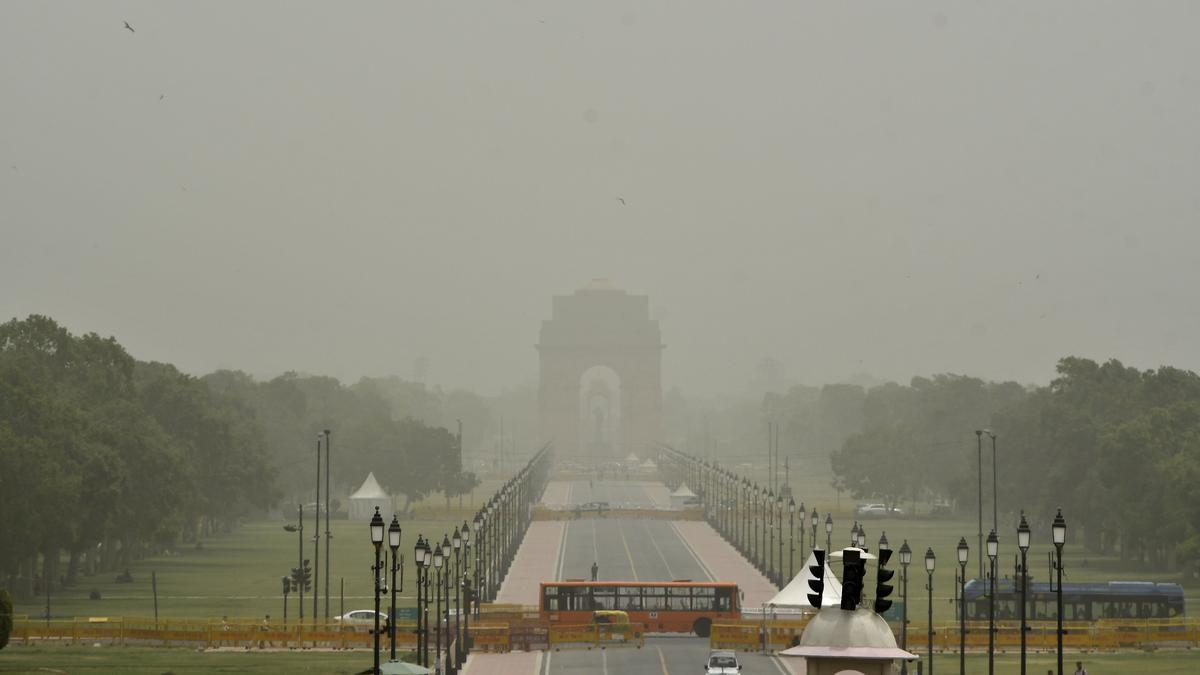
(993, 549)
(930, 562)
(438, 561)
(1023, 578)
(419, 564)
(862, 538)
(905, 559)
(456, 542)
(979, 475)
(1059, 531)
(828, 529)
(466, 592)
(377, 528)
(394, 545)
(792, 535)
(427, 563)
(963, 552)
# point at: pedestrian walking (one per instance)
(595, 572)
(1079, 669)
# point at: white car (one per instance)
(361, 617)
(722, 662)
(877, 510)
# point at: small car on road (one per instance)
(722, 662)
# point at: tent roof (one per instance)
(683, 491)
(795, 594)
(370, 489)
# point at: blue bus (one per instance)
(1081, 602)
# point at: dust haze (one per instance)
(855, 191)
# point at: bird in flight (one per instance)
(131, 30)
(622, 200)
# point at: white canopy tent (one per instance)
(363, 502)
(795, 594)
(681, 495)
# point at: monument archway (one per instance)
(600, 358)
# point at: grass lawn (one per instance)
(137, 660)
(239, 575)
(150, 661)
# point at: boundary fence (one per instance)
(1104, 635)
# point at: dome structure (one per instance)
(835, 633)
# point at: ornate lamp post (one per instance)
(1059, 529)
(792, 535)
(862, 538)
(1023, 544)
(828, 529)
(816, 520)
(979, 462)
(456, 542)
(446, 594)
(854, 535)
(419, 564)
(905, 559)
(465, 639)
(394, 545)
(756, 498)
(438, 561)
(993, 549)
(477, 524)
(779, 535)
(963, 551)
(377, 542)
(930, 562)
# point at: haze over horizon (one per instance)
(892, 190)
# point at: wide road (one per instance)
(634, 550)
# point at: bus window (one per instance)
(629, 598)
(723, 601)
(550, 598)
(703, 599)
(604, 597)
(679, 598)
(653, 599)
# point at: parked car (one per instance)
(361, 618)
(722, 662)
(877, 510)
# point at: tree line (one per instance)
(105, 459)
(1115, 447)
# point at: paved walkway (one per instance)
(536, 561)
(724, 563)
(513, 663)
(557, 493)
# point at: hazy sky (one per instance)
(893, 188)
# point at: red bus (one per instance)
(662, 606)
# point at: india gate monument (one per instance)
(600, 360)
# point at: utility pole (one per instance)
(317, 534)
(328, 534)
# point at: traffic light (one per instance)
(882, 576)
(853, 571)
(817, 583)
(302, 577)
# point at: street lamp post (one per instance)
(477, 524)
(779, 534)
(377, 541)
(862, 538)
(930, 562)
(394, 544)
(438, 561)
(457, 541)
(328, 533)
(993, 549)
(905, 559)
(816, 520)
(426, 563)
(792, 535)
(466, 595)
(316, 576)
(446, 594)
(1059, 530)
(1023, 544)
(419, 564)
(828, 529)
(991, 435)
(979, 462)
(963, 551)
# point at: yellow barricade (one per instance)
(601, 636)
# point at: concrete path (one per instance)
(536, 561)
(513, 663)
(724, 563)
